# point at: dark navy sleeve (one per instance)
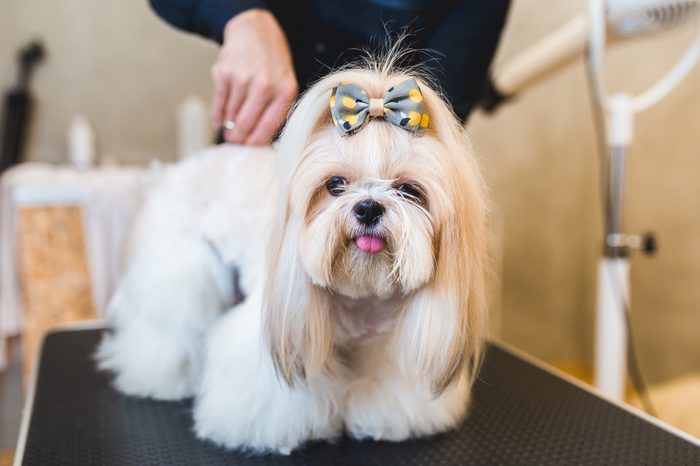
(467, 37)
(204, 17)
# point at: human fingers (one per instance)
(221, 92)
(258, 97)
(273, 116)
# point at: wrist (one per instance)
(251, 16)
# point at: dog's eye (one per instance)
(336, 185)
(410, 191)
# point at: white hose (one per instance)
(596, 49)
(596, 53)
(659, 90)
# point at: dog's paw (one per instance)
(369, 414)
(162, 372)
(396, 412)
(264, 425)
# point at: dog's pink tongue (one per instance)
(369, 243)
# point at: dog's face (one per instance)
(369, 208)
(375, 213)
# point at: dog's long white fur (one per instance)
(328, 338)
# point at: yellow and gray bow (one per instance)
(402, 106)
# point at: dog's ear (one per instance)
(297, 325)
(442, 332)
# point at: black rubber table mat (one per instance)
(521, 414)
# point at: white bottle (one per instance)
(193, 129)
(81, 143)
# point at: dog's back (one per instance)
(197, 242)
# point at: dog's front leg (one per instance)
(383, 403)
(243, 404)
(173, 288)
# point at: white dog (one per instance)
(360, 255)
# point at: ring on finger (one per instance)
(228, 124)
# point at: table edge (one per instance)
(520, 354)
(33, 376)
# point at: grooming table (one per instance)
(522, 413)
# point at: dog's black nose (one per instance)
(368, 212)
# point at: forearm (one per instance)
(207, 18)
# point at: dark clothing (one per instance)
(457, 38)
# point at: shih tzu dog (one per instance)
(333, 284)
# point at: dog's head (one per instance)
(377, 212)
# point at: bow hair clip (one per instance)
(402, 106)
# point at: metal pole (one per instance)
(613, 270)
(613, 286)
(616, 181)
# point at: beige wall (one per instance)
(539, 154)
(115, 62)
(127, 71)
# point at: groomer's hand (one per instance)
(254, 81)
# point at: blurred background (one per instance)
(128, 73)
